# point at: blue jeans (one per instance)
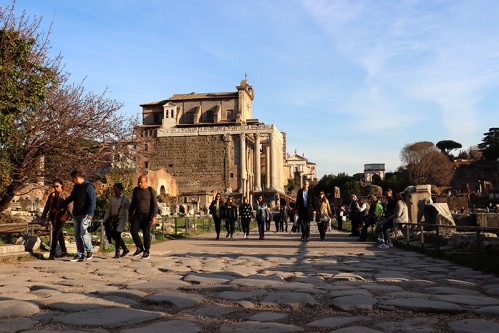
(261, 228)
(82, 236)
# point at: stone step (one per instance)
(7, 249)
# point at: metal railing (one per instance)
(185, 225)
(437, 228)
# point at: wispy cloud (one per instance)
(406, 50)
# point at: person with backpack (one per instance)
(262, 216)
(142, 216)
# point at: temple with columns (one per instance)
(210, 142)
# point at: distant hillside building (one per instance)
(209, 142)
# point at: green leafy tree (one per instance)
(490, 144)
(48, 126)
(446, 146)
(291, 185)
(347, 185)
(397, 181)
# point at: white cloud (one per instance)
(411, 55)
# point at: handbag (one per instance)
(113, 224)
(323, 218)
(64, 216)
(114, 221)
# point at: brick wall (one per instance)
(198, 163)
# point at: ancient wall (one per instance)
(208, 105)
(198, 163)
(162, 182)
(488, 220)
(455, 202)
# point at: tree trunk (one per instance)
(7, 197)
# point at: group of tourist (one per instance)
(384, 216)
(363, 213)
(140, 212)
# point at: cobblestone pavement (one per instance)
(279, 284)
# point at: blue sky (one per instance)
(350, 82)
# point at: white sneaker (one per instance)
(383, 246)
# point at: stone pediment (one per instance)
(297, 157)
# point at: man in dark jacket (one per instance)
(305, 205)
(142, 215)
(84, 201)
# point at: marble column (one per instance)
(243, 175)
(258, 169)
(268, 169)
(273, 159)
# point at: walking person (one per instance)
(216, 210)
(267, 221)
(306, 210)
(324, 215)
(230, 215)
(262, 216)
(283, 225)
(115, 219)
(142, 216)
(56, 217)
(276, 217)
(83, 198)
(246, 214)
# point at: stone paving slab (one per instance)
(421, 305)
(175, 298)
(356, 329)
(17, 309)
(268, 316)
(336, 322)
(169, 282)
(416, 325)
(353, 303)
(169, 326)
(474, 326)
(108, 318)
(16, 324)
(242, 295)
(293, 300)
(260, 327)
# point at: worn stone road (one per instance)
(236, 285)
